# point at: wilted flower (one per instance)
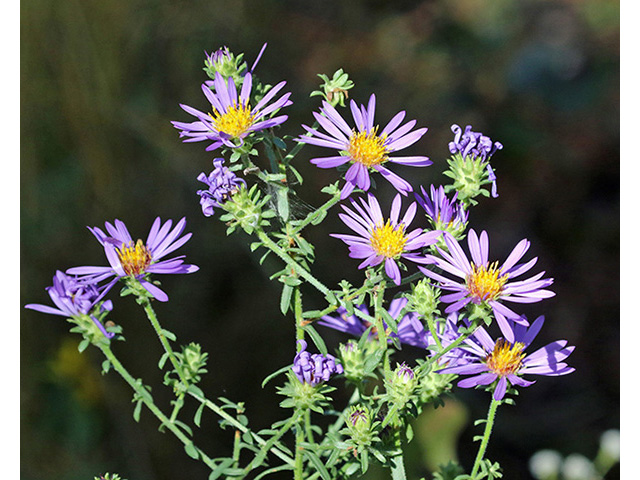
(222, 183)
(383, 239)
(505, 361)
(445, 214)
(137, 259)
(472, 144)
(487, 283)
(232, 118)
(364, 146)
(75, 297)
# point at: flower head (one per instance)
(366, 147)
(445, 214)
(232, 117)
(485, 283)
(221, 183)
(506, 361)
(75, 297)
(383, 239)
(410, 329)
(316, 368)
(136, 259)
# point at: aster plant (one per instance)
(417, 290)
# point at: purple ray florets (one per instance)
(487, 283)
(314, 368)
(506, 361)
(383, 239)
(137, 259)
(221, 183)
(445, 213)
(410, 329)
(472, 144)
(232, 118)
(75, 296)
(364, 146)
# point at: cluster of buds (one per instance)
(469, 165)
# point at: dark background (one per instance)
(100, 82)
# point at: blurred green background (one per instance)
(100, 82)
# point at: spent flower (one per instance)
(315, 368)
(222, 183)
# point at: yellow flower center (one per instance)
(505, 358)
(367, 148)
(235, 121)
(388, 240)
(485, 283)
(134, 258)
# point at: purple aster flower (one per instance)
(314, 368)
(232, 117)
(75, 297)
(410, 329)
(445, 213)
(384, 240)
(221, 183)
(505, 361)
(137, 259)
(364, 146)
(487, 283)
(473, 144)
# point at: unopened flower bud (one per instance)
(352, 361)
(401, 384)
(358, 421)
(226, 63)
(424, 299)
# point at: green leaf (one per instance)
(220, 469)
(137, 410)
(163, 360)
(318, 465)
(198, 415)
(316, 338)
(82, 346)
(275, 374)
(192, 451)
(285, 298)
(169, 335)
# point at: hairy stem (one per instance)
(485, 437)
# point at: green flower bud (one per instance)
(352, 361)
(424, 299)
(193, 362)
(359, 425)
(401, 384)
(335, 90)
(245, 209)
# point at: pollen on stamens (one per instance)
(134, 258)
(388, 240)
(485, 282)
(235, 121)
(506, 358)
(368, 148)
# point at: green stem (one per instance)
(397, 468)
(271, 245)
(235, 423)
(485, 437)
(378, 298)
(298, 469)
(316, 213)
(118, 367)
(151, 315)
(307, 426)
(434, 332)
(269, 445)
(297, 310)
